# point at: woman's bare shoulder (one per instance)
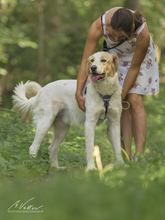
(96, 28)
(144, 34)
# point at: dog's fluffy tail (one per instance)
(24, 99)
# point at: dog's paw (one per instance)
(93, 168)
(33, 152)
(56, 166)
(32, 155)
(59, 168)
(121, 163)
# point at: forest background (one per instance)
(44, 40)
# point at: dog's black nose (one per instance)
(94, 68)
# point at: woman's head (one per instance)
(125, 21)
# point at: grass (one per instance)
(136, 192)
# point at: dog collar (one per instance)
(106, 99)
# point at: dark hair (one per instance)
(123, 20)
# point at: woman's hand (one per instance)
(81, 102)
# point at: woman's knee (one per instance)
(136, 101)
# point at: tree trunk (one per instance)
(132, 4)
(41, 43)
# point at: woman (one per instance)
(138, 68)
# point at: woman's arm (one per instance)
(143, 41)
(95, 33)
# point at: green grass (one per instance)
(136, 192)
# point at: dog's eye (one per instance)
(103, 60)
(92, 60)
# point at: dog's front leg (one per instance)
(114, 131)
(89, 134)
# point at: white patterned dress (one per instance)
(147, 81)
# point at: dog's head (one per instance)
(101, 65)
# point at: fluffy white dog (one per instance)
(55, 105)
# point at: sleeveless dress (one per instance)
(147, 81)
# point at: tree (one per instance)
(132, 4)
(41, 43)
(44, 40)
(12, 34)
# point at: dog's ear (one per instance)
(88, 65)
(115, 63)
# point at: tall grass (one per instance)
(136, 192)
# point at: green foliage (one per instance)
(65, 27)
(16, 138)
(153, 11)
(136, 192)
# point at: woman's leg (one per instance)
(139, 121)
(126, 129)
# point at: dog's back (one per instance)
(32, 101)
(59, 97)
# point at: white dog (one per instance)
(55, 105)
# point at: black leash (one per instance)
(106, 48)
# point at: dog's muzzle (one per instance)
(96, 77)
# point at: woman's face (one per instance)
(117, 35)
